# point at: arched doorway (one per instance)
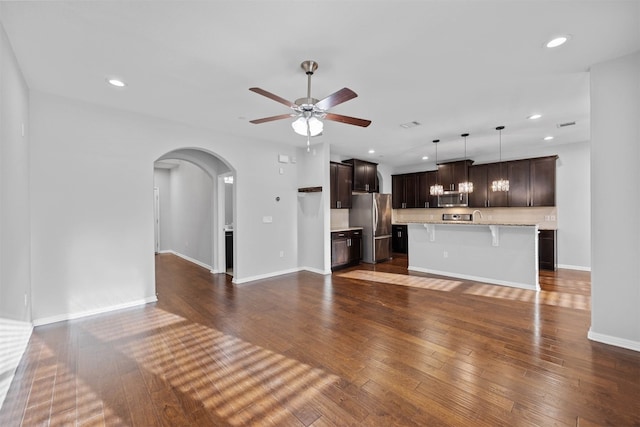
(195, 207)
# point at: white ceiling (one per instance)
(453, 66)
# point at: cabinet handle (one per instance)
(339, 204)
(366, 187)
(348, 242)
(426, 204)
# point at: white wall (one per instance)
(15, 241)
(92, 180)
(314, 245)
(161, 180)
(192, 195)
(615, 156)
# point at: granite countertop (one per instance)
(338, 229)
(507, 223)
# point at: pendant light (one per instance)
(466, 186)
(436, 189)
(500, 184)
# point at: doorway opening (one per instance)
(194, 200)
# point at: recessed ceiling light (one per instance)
(372, 151)
(558, 41)
(116, 82)
(548, 138)
(425, 157)
(409, 125)
(534, 116)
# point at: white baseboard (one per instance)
(574, 267)
(316, 270)
(477, 279)
(616, 341)
(264, 276)
(71, 316)
(188, 258)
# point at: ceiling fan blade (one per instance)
(273, 96)
(348, 120)
(336, 98)
(272, 118)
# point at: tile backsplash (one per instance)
(545, 217)
(339, 218)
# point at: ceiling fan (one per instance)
(310, 112)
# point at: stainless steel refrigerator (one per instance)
(372, 212)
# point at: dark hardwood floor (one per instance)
(369, 345)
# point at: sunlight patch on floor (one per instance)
(558, 299)
(403, 280)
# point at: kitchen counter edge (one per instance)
(511, 224)
(337, 230)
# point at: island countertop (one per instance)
(481, 222)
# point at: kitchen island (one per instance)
(501, 254)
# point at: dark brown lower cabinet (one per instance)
(346, 248)
(547, 250)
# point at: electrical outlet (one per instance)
(553, 217)
(281, 254)
(445, 254)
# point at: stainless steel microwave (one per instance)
(452, 199)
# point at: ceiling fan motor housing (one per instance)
(309, 66)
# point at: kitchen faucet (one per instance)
(473, 217)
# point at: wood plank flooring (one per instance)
(308, 350)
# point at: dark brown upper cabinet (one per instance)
(543, 181)
(365, 175)
(518, 194)
(341, 182)
(425, 181)
(452, 173)
(532, 182)
(404, 191)
(478, 175)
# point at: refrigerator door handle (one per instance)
(375, 216)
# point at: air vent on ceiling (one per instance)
(410, 124)
(561, 125)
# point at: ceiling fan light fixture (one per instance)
(307, 126)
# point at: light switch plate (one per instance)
(283, 158)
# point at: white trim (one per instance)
(477, 278)
(574, 267)
(611, 340)
(188, 258)
(265, 276)
(316, 270)
(71, 316)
